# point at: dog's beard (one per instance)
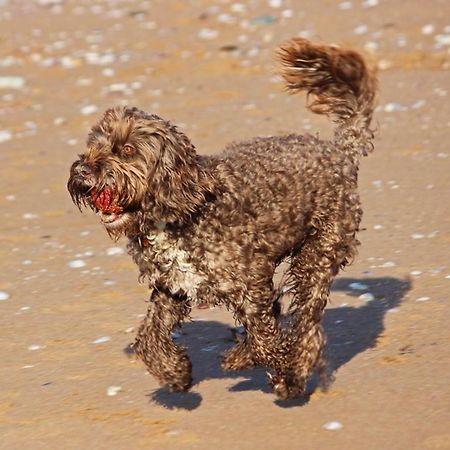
(107, 201)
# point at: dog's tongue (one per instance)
(104, 201)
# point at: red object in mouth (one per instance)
(105, 201)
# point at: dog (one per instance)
(213, 229)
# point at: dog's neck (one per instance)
(178, 197)
(154, 236)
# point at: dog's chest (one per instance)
(163, 259)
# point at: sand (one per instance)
(69, 297)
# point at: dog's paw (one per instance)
(129, 350)
(238, 334)
(284, 386)
(180, 377)
(237, 358)
(181, 385)
(279, 386)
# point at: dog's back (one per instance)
(299, 195)
(279, 178)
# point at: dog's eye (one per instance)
(127, 150)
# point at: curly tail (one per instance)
(341, 85)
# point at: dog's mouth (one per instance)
(105, 202)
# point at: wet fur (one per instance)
(213, 229)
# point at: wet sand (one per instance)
(69, 297)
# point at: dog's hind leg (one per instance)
(241, 357)
(255, 309)
(238, 357)
(312, 270)
(168, 362)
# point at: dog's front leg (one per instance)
(168, 362)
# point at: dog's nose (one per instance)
(82, 169)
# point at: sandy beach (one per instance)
(70, 301)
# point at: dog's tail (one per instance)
(341, 86)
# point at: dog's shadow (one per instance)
(350, 330)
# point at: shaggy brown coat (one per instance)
(213, 229)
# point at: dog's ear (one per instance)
(181, 181)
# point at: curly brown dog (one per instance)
(212, 229)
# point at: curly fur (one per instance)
(213, 229)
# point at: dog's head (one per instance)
(138, 166)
